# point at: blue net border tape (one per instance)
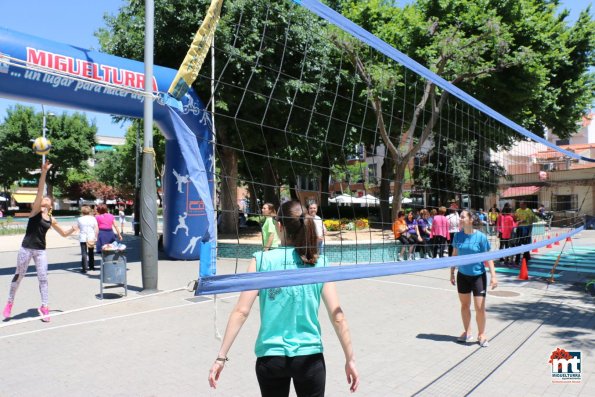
(283, 278)
(363, 35)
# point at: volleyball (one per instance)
(42, 146)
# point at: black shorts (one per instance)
(476, 284)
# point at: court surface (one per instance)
(403, 330)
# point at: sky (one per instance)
(75, 22)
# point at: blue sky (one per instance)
(75, 21)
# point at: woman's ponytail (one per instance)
(300, 230)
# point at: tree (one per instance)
(118, 167)
(283, 86)
(95, 189)
(72, 137)
(508, 54)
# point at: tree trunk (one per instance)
(324, 179)
(292, 186)
(385, 215)
(253, 199)
(229, 192)
(270, 185)
(399, 181)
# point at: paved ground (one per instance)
(403, 330)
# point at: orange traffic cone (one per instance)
(524, 273)
(557, 241)
(534, 250)
(569, 239)
(550, 244)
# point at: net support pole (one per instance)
(148, 189)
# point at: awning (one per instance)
(24, 198)
(520, 191)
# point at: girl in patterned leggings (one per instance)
(33, 247)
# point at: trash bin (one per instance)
(113, 270)
(538, 229)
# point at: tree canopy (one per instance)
(72, 137)
(293, 88)
(508, 54)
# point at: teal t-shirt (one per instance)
(467, 244)
(289, 315)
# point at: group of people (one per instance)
(425, 234)
(513, 228)
(428, 233)
(94, 232)
(289, 344)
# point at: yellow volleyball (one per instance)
(42, 146)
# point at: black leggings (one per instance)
(87, 257)
(274, 374)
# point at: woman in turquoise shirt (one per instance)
(289, 344)
(472, 278)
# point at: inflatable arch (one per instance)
(89, 80)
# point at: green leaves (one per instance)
(72, 137)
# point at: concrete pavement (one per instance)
(403, 329)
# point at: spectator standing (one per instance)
(423, 226)
(107, 224)
(525, 218)
(506, 228)
(88, 233)
(440, 232)
(320, 228)
(483, 219)
(453, 226)
(122, 218)
(493, 213)
(270, 239)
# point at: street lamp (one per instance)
(45, 187)
(44, 128)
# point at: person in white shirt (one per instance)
(122, 216)
(88, 231)
(320, 228)
(453, 219)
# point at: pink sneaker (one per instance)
(7, 310)
(44, 312)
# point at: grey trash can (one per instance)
(113, 270)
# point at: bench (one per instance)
(567, 268)
(563, 262)
(531, 273)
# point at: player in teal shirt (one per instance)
(289, 344)
(472, 278)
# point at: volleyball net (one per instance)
(310, 106)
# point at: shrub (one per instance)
(334, 225)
